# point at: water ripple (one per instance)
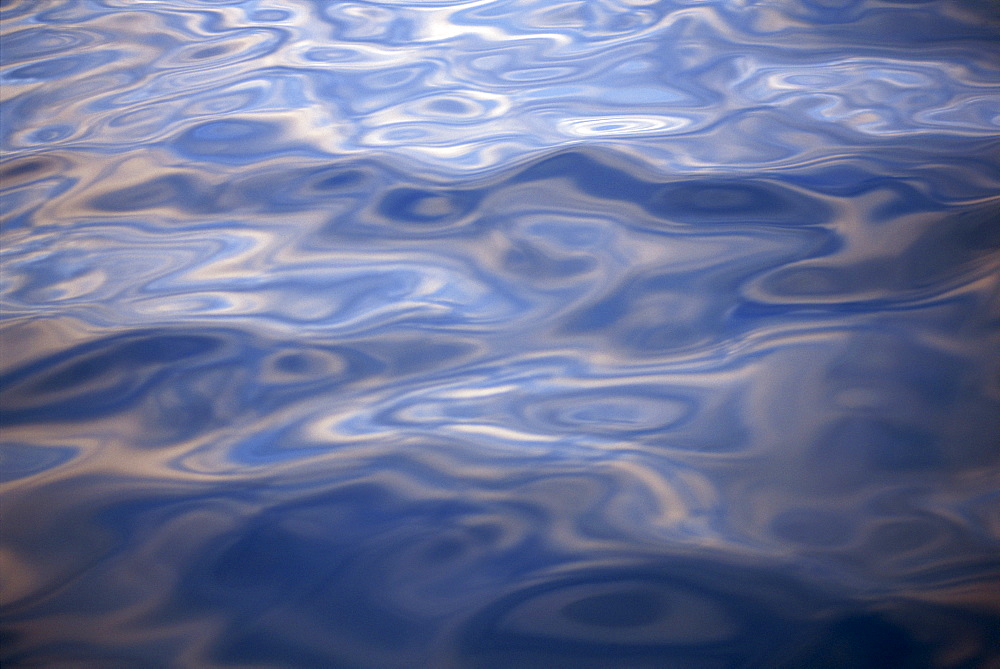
(499, 333)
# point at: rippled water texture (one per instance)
(503, 333)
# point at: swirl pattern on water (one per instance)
(619, 333)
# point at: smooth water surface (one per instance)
(502, 333)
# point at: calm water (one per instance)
(503, 333)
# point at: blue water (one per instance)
(619, 334)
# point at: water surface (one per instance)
(500, 333)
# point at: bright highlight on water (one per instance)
(504, 333)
